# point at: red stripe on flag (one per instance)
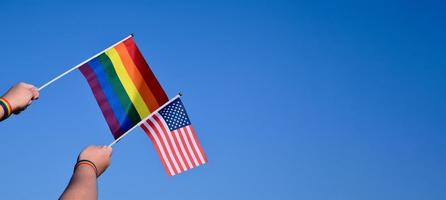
(185, 142)
(167, 136)
(146, 72)
(181, 151)
(162, 141)
(198, 143)
(191, 144)
(143, 126)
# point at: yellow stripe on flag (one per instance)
(126, 81)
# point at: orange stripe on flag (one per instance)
(136, 77)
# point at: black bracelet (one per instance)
(95, 168)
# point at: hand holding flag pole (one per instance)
(80, 64)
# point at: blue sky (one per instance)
(290, 100)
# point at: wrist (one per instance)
(6, 106)
(86, 164)
(84, 171)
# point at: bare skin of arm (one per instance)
(20, 96)
(83, 183)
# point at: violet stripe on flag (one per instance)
(174, 139)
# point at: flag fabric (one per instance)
(174, 139)
(124, 86)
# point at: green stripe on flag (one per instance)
(116, 84)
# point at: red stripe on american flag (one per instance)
(189, 156)
(172, 145)
(179, 150)
(183, 149)
(168, 156)
(157, 148)
(164, 137)
(198, 144)
(187, 146)
(191, 145)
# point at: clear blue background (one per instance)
(291, 100)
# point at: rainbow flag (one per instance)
(125, 88)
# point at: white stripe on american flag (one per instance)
(160, 147)
(166, 144)
(179, 150)
(172, 141)
(183, 151)
(195, 144)
(191, 152)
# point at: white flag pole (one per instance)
(80, 64)
(145, 119)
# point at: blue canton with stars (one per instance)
(175, 115)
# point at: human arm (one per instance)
(17, 99)
(83, 184)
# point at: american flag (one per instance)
(174, 138)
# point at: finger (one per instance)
(26, 85)
(35, 93)
(28, 93)
(107, 148)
